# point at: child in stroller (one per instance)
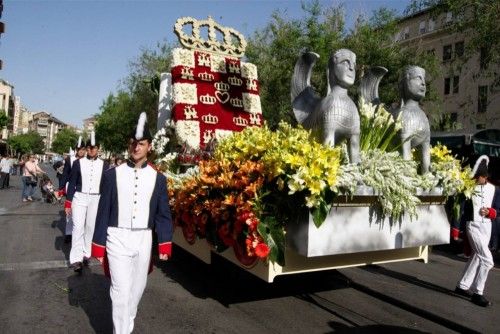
(49, 194)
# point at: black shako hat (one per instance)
(481, 166)
(80, 143)
(141, 130)
(91, 141)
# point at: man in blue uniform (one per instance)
(80, 152)
(134, 202)
(82, 200)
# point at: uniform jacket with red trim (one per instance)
(75, 182)
(159, 218)
(494, 206)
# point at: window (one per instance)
(447, 52)
(446, 86)
(482, 99)
(421, 28)
(431, 25)
(483, 58)
(459, 49)
(406, 33)
(456, 80)
(448, 18)
(431, 52)
(454, 117)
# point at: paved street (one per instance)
(40, 294)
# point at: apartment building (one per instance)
(6, 107)
(466, 87)
(47, 127)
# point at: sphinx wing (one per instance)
(368, 88)
(304, 98)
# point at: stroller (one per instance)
(49, 194)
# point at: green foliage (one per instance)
(116, 122)
(4, 119)
(30, 142)
(64, 140)
(120, 111)
(275, 50)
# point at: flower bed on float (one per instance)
(258, 181)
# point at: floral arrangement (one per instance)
(245, 192)
(378, 127)
(243, 195)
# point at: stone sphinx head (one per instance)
(412, 83)
(342, 68)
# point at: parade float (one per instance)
(346, 187)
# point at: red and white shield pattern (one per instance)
(213, 95)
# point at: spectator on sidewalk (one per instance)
(31, 171)
(5, 166)
(478, 213)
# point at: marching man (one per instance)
(478, 213)
(134, 201)
(80, 152)
(82, 199)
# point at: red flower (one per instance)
(262, 250)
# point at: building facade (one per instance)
(464, 85)
(6, 107)
(47, 127)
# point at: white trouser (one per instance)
(481, 260)
(83, 214)
(69, 225)
(129, 256)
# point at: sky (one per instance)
(65, 57)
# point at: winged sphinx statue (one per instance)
(334, 117)
(415, 130)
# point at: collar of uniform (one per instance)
(131, 164)
(94, 158)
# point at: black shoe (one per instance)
(480, 300)
(462, 292)
(77, 267)
(67, 239)
(86, 261)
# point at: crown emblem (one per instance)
(234, 67)
(204, 59)
(190, 112)
(210, 119)
(207, 99)
(235, 81)
(206, 76)
(236, 102)
(233, 44)
(240, 121)
(187, 73)
(254, 119)
(251, 84)
(222, 86)
(207, 136)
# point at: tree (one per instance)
(120, 111)
(276, 48)
(4, 119)
(64, 140)
(30, 142)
